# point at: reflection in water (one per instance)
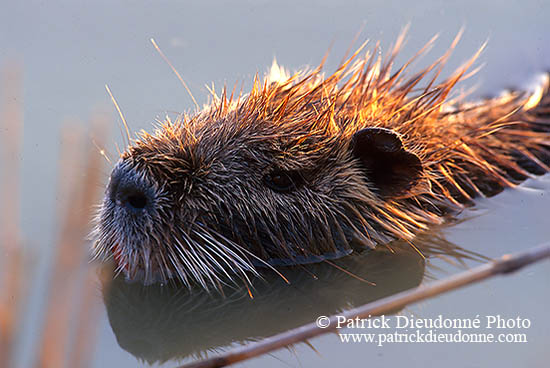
(160, 323)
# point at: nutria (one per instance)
(306, 168)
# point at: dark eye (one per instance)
(282, 181)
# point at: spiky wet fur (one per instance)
(215, 220)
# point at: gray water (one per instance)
(70, 50)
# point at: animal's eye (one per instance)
(282, 181)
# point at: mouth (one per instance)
(125, 226)
(138, 268)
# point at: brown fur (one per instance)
(214, 217)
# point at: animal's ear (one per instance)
(388, 166)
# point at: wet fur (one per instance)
(213, 219)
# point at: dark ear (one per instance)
(388, 166)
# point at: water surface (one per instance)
(70, 51)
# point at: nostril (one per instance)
(128, 191)
(137, 200)
(132, 198)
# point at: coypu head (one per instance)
(302, 169)
(213, 196)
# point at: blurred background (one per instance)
(65, 52)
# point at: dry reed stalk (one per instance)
(78, 184)
(90, 302)
(11, 260)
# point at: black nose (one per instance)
(131, 197)
(127, 190)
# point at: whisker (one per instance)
(121, 116)
(176, 72)
(255, 257)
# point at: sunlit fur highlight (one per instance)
(213, 216)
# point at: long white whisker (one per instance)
(204, 248)
(189, 261)
(239, 261)
(178, 267)
(254, 256)
(200, 261)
